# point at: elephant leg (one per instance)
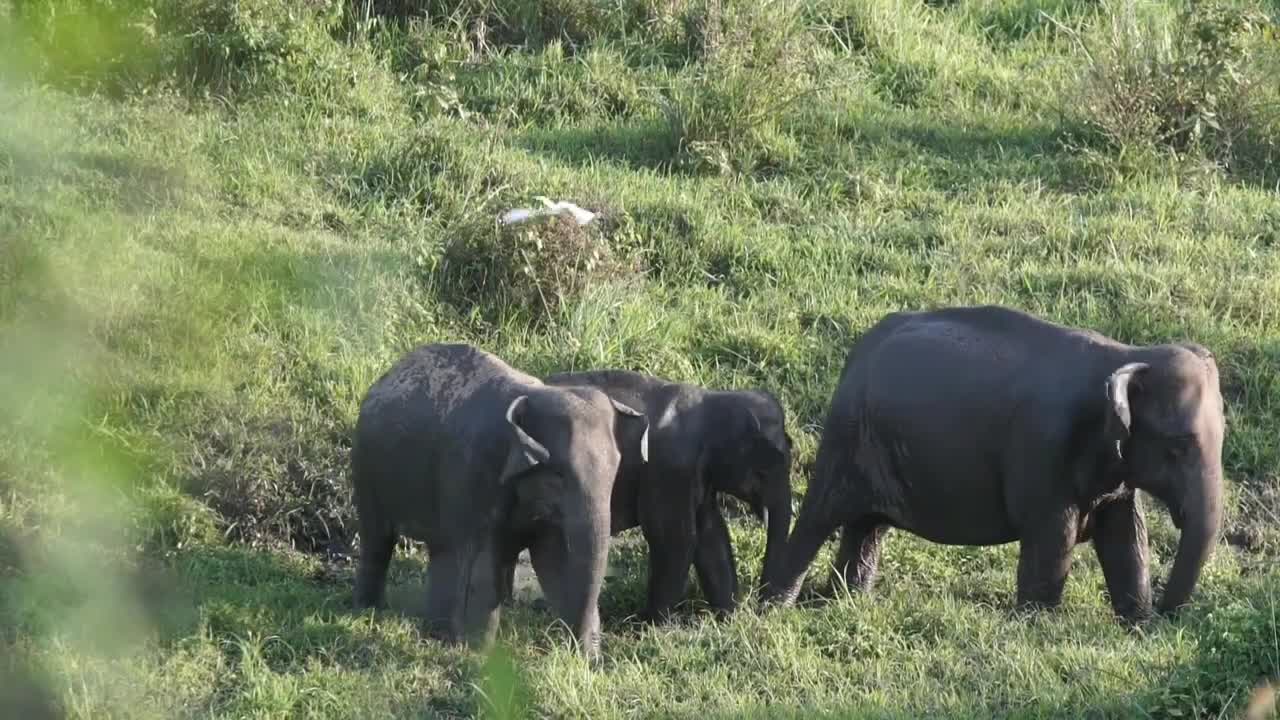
(507, 561)
(713, 560)
(447, 575)
(483, 604)
(669, 525)
(376, 548)
(1120, 541)
(858, 560)
(1045, 559)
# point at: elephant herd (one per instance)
(964, 426)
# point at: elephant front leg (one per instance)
(1045, 559)
(446, 577)
(1120, 541)
(713, 560)
(509, 558)
(671, 541)
(463, 595)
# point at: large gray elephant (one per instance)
(702, 442)
(479, 461)
(985, 425)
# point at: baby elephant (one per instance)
(702, 442)
(984, 425)
(479, 461)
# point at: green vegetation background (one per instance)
(220, 220)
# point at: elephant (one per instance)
(986, 425)
(702, 442)
(455, 448)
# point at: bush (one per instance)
(109, 45)
(1193, 87)
(238, 42)
(123, 45)
(534, 268)
(757, 61)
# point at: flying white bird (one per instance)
(582, 217)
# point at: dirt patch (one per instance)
(1255, 528)
(276, 483)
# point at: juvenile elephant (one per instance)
(984, 425)
(702, 442)
(479, 461)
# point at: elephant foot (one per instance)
(722, 612)
(662, 616)
(362, 601)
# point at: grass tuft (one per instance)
(1191, 82)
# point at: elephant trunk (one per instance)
(1199, 511)
(777, 521)
(585, 561)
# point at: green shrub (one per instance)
(533, 268)
(229, 42)
(124, 45)
(1190, 85)
(109, 45)
(758, 61)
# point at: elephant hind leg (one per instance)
(377, 545)
(858, 560)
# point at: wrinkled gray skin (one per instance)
(701, 443)
(984, 425)
(479, 461)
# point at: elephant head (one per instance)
(749, 457)
(1165, 428)
(562, 459)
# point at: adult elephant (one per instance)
(985, 425)
(702, 442)
(479, 461)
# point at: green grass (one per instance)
(220, 221)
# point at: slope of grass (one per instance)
(221, 220)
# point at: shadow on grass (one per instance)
(305, 610)
(24, 693)
(953, 157)
(1237, 648)
(649, 146)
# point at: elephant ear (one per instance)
(764, 449)
(632, 431)
(1119, 408)
(524, 453)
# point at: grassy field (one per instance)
(220, 220)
